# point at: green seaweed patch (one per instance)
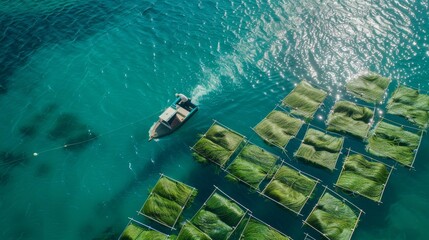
(320, 148)
(348, 117)
(394, 142)
(290, 188)
(219, 217)
(304, 100)
(167, 200)
(258, 230)
(189, 232)
(411, 104)
(252, 165)
(333, 217)
(366, 178)
(136, 232)
(278, 128)
(368, 86)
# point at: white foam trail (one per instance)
(212, 83)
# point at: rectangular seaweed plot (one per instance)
(388, 140)
(219, 216)
(278, 128)
(136, 230)
(320, 148)
(368, 86)
(252, 165)
(348, 117)
(217, 145)
(364, 176)
(304, 100)
(256, 229)
(411, 104)
(290, 188)
(189, 231)
(333, 217)
(167, 200)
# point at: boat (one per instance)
(172, 118)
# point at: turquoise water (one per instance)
(73, 70)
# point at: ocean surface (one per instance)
(81, 82)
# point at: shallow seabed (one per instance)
(99, 72)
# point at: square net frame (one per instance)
(283, 163)
(222, 166)
(188, 222)
(217, 190)
(333, 134)
(390, 170)
(142, 226)
(269, 141)
(366, 98)
(415, 151)
(263, 223)
(411, 120)
(266, 175)
(140, 212)
(343, 130)
(344, 200)
(299, 112)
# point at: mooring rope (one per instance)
(37, 153)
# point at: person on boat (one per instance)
(183, 98)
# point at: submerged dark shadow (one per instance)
(24, 33)
(32, 127)
(76, 134)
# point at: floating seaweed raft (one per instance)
(278, 128)
(257, 229)
(320, 148)
(137, 230)
(252, 165)
(334, 218)
(348, 117)
(304, 100)
(219, 216)
(290, 188)
(411, 104)
(364, 176)
(167, 200)
(369, 87)
(217, 145)
(395, 142)
(189, 231)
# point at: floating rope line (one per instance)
(35, 154)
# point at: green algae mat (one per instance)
(217, 145)
(138, 231)
(320, 148)
(189, 231)
(364, 176)
(290, 188)
(395, 142)
(278, 128)
(252, 165)
(256, 229)
(411, 104)
(369, 87)
(167, 201)
(304, 100)
(335, 218)
(348, 117)
(219, 216)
